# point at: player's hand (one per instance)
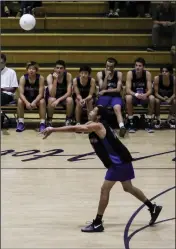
(46, 132)
(28, 106)
(165, 98)
(82, 102)
(79, 98)
(33, 105)
(55, 103)
(107, 73)
(55, 75)
(168, 101)
(143, 96)
(138, 96)
(102, 92)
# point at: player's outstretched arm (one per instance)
(80, 128)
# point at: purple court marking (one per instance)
(126, 231)
(157, 154)
(142, 228)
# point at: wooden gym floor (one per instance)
(48, 196)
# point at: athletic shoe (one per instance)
(93, 228)
(131, 128)
(122, 131)
(154, 213)
(20, 127)
(42, 127)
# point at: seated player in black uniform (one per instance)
(139, 91)
(115, 157)
(164, 87)
(31, 90)
(110, 85)
(59, 91)
(84, 90)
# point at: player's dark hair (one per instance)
(60, 62)
(32, 63)
(112, 60)
(104, 115)
(85, 68)
(140, 60)
(169, 67)
(3, 57)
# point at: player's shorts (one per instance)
(143, 102)
(120, 172)
(109, 101)
(29, 98)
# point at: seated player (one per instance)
(84, 89)
(60, 91)
(31, 90)
(110, 85)
(9, 84)
(139, 91)
(164, 87)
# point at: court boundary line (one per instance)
(144, 227)
(130, 221)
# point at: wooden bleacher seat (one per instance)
(39, 12)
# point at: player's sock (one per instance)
(21, 120)
(121, 124)
(149, 204)
(98, 219)
(42, 121)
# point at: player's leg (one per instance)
(50, 110)
(150, 101)
(153, 208)
(78, 112)
(130, 102)
(20, 113)
(116, 103)
(69, 110)
(157, 113)
(171, 117)
(42, 114)
(89, 105)
(97, 225)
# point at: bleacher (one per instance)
(79, 32)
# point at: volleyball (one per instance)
(27, 22)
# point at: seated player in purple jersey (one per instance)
(139, 92)
(110, 85)
(59, 91)
(164, 87)
(115, 157)
(31, 95)
(84, 90)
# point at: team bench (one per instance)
(12, 109)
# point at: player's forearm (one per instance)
(112, 90)
(172, 97)
(52, 91)
(9, 89)
(105, 83)
(148, 93)
(38, 98)
(89, 97)
(23, 98)
(130, 92)
(159, 97)
(64, 96)
(70, 129)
